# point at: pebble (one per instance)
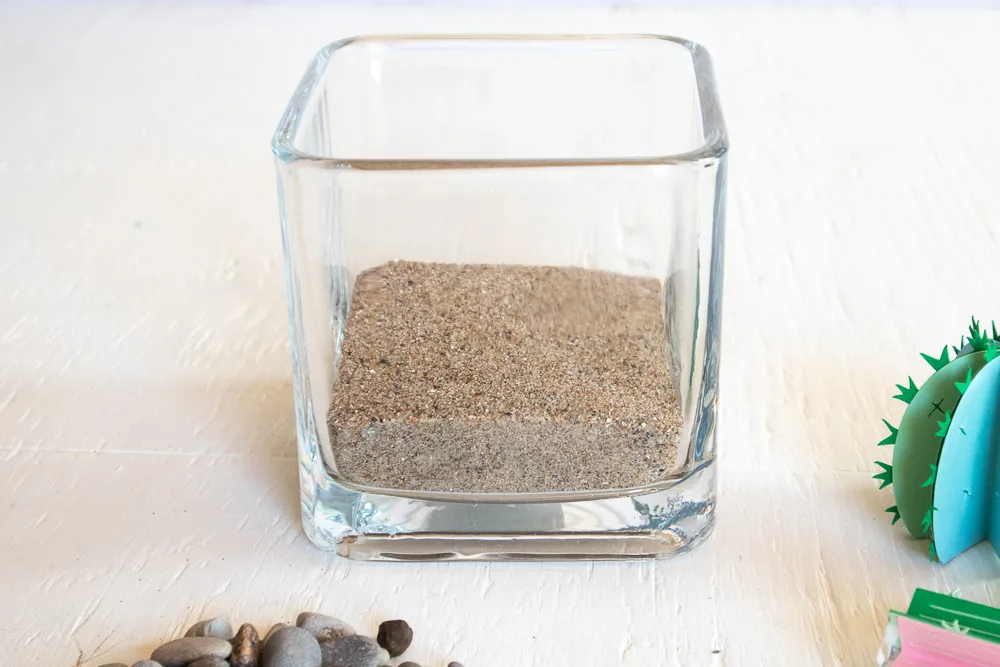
(455, 664)
(292, 647)
(215, 627)
(180, 652)
(395, 637)
(274, 628)
(210, 662)
(246, 647)
(315, 641)
(352, 651)
(323, 628)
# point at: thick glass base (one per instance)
(658, 522)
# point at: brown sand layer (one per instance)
(503, 379)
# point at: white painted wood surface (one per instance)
(146, 437)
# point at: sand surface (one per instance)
(503, 379)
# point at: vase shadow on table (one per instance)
(246, 425)
(138, 461)
(258, 425)
(250, 420)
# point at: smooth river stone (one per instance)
(323, 628)
(292, 647)
(274, 628)
(395, 637)
(181, 652)
(215, 627)
(246, 647)
(210, 662)
(353, 651)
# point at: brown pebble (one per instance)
(394, 637)
(409, 664)
(246, 647)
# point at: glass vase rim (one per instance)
(714, 147)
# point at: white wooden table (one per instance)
(146, 437)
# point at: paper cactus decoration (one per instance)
(944, 471)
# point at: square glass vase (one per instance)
(597, 153)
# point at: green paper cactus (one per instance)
(885, 475)
(895, 513)
(920, 435)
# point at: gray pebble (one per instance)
(147, 663)
(274, 628)
(214, 627)
(409, 664)
(455, 664)
(352, 651)
(323, 628)
(210, 662)
(115, 664)
(292, 647)
(182, 651)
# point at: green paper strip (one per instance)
(944, 610)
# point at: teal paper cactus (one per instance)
(924, 431)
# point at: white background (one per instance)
(147, 472)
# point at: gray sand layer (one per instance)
(483, 378)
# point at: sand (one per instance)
(510, 379)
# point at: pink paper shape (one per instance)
(927, 645)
